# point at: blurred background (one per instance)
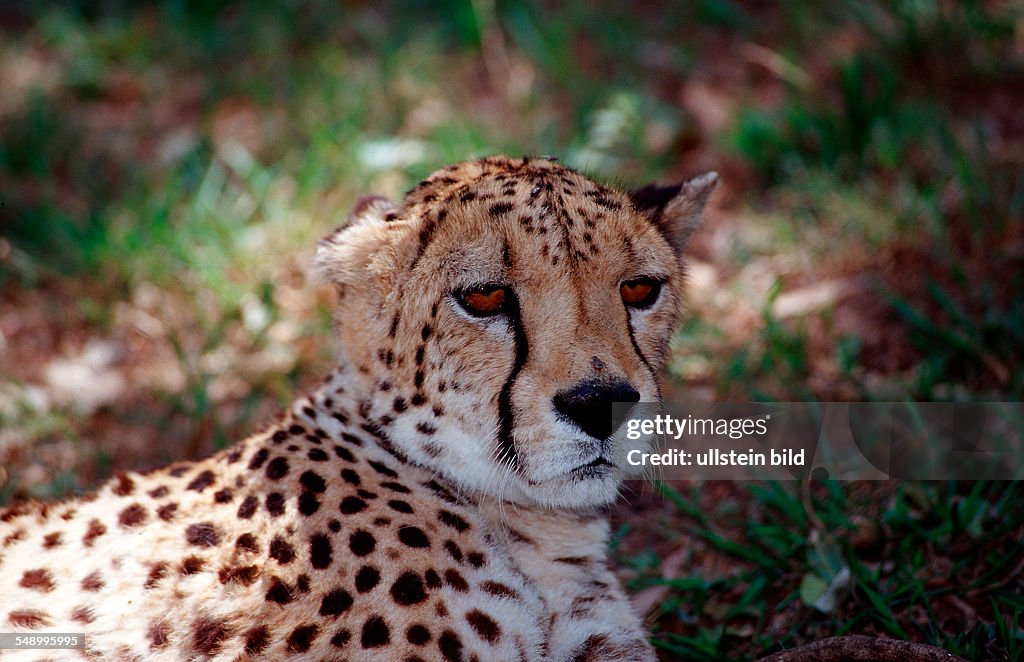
(166, 168)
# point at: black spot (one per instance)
(317, 455)
(450, 645)
(277, 469)
(302, 638)
(484, 625)
(455, 580)
(124, 486)
(352, 439)
(258, 458)
(400, 506)
(500, 590)
(335, 602)
(156, 573)
(275, 504)
(500, 208)
(453, 550)
(256, 639)
(302, 583)
(247, 542)
(281, 550)
(341, 639)
(383, 470)
(399, 405)
(191, 565)
(367, 578)
(34, 618)
(413, 536)
(351, 505)
(366, 494)
(279, 592)
(38, 580)
(417, 635)
(92, 582)
(166, 511)
(350, 477)
(247, 507)
(344, 453)
(157, 634)
(223, 496)
(308, 503)
(279, 436)
(201, 482)
(296, 430)
(320, 551)
(432, 578)
(453, 520)
(476, 559)
(244, 575)
(334, 525)
(362, 543)
(441, 491)
(426, 331)
(426, 428)
(312, 481)
(207, 635)
(408, 589)
(132, 516)
(396, 487)
(203, 534)
(375, 633)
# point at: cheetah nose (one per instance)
(589, 405)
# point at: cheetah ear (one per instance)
(353, 251)
(676, 209)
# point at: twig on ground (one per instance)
(859, 648)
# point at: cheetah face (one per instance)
(494, 316)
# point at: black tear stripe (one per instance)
(506, 415)
(636, 348)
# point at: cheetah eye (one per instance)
(640, 292)
(485, 300)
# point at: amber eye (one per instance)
(640, 292)
(485, 300)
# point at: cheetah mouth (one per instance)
(599, 466)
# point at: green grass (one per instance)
(875, 548)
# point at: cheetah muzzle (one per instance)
(438, 496)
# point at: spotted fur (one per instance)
(427, 501)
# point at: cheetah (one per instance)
(440, 496)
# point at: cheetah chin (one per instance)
(438, 496)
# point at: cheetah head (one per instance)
(492, 317)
